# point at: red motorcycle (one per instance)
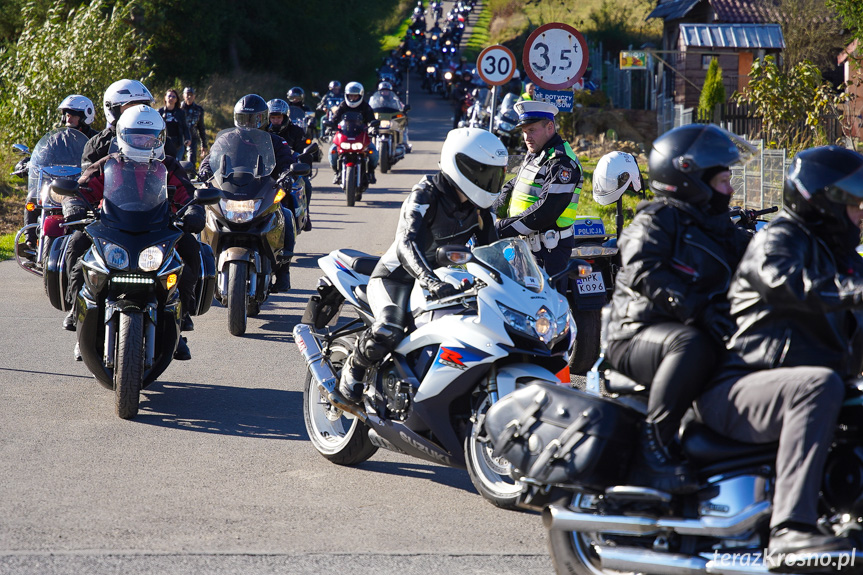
(352, 142)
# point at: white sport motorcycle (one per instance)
(504, 328)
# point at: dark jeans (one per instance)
(555, 260)
(675, 362)
(799, 407)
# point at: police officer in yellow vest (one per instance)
(543, 197)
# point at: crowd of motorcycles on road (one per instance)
(133, 244)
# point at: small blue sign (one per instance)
(560, 98)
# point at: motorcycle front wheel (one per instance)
(585, 352)
(237, 312)
(572, 552)
(129, 364)
(338, 436)
(385, 156)
(490, 475)
(350, 183)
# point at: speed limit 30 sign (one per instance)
(555, 56)
(496, 65)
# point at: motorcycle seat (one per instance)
(703, 445)
(360, 262)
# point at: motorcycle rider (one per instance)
(251, 112)
(543, 198)
(334, 90)
(297, 99)
(447, 208)
(281, 125)
(140, 138)
(386, 90)
(77, 112)
(119, 96)
(797, 300)
(354, 103)
(461, 89)
(669, 314)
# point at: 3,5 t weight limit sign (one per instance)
(496, 65)
(555, 56)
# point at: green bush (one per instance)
(80, 51)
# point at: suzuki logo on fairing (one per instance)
(420, 447)
(451, 358)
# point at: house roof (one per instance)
(726, 11)
(767, 36)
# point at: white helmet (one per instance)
(474, 161)
(352, 90)
(615, 173)
(141, 134)
(80, 104)
(124, 92)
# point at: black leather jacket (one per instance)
(432, 216)
(795, 304)
(678, 261)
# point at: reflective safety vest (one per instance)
(531, 179)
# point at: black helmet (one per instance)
(334, 86)
(681, 158)
(251, 111)
(296, 95)
(821, 182)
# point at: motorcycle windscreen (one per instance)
(385, 102)
(240, 155)
(512, 257)
(59, 150)
(352, 124)
(135, 199)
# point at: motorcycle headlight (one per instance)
(345, 145)
(115, 256)
(430, 70)
(150, 259)
(239, 211)
(447, 75)
(544, 325)
(50, 197)
(357, 146)
(385, 124)
(515, 319)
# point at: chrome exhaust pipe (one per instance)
(562, 518)
(639, 560)
(322, 370)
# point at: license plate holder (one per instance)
(592, 284)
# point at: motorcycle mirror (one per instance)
(64, 187)
(21, 149)
(300, 169)
(316, 94)
(452, 255)
(374, 123)
(189, 167)
(407, 107)
(311, 148)
(208, 196)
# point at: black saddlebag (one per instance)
(562, 436)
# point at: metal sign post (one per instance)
(495, 66)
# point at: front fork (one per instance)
(112, 320)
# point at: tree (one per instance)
(811, 31)
(851, 12)
(79, 51)
(712, 93)
(791, 105)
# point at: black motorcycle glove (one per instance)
(716, 321)
(194, 220)
(439, 289)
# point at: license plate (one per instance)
(591, 284)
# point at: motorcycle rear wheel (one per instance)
(338, 436)
(350, 184)
(489, 475)
(237, 313)
(572, 552)
(129, 364)
(585, 352)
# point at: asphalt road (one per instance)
(216, 474)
